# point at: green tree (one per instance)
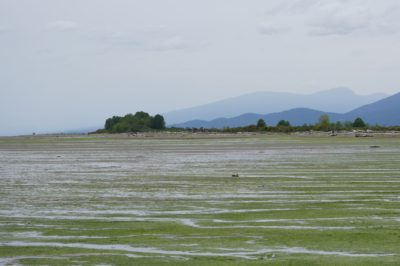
(157, 122)
(261, 123)
(120, 127)
(111, 122)
(339, 125)
(324, 122)
(359, 123)
(348, 125)
(283, 123)
(143, 121)
(142, 115)
(139, 122)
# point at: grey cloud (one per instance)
(337, 26)
(337, 17)
(116, 37)
(62, 26)
(303, 5)
(344, 18)
(147, 38)
(176, 42)
(271, 29)
(292, 7)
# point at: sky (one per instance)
(70, 64)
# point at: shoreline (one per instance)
(172, 134)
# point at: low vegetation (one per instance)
(323, 124)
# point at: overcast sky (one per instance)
(68, 64)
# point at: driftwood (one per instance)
(363, 135)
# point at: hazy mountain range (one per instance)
(338, 100)
(341, 104)
(383, 112)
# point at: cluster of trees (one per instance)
(323, 124)
(139, 122)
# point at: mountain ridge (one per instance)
(338, 100)
(383, 112)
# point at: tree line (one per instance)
(143, 122)
(323, 124)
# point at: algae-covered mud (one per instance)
(153, 201)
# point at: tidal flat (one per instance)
(297, 200)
